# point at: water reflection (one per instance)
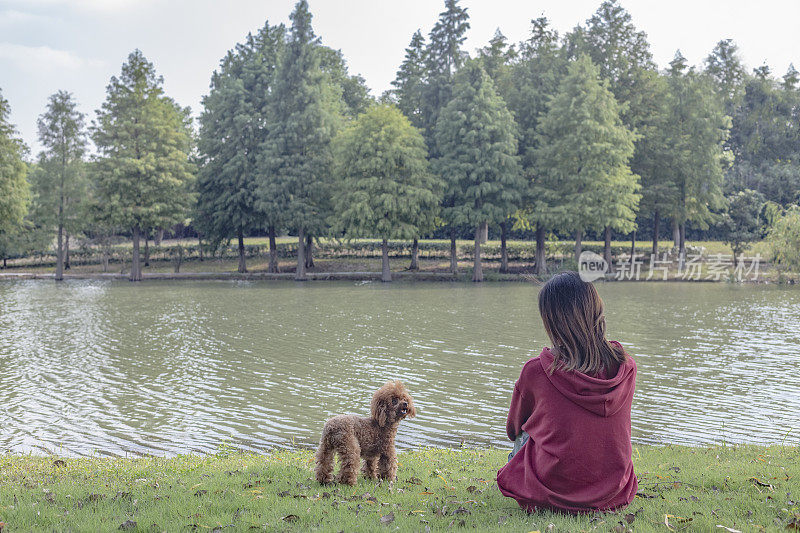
(113, 368)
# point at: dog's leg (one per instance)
(370, 468)
(387, 465)
(324, 460)
(350, 455)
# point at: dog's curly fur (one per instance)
(372, 438)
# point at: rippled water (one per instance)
(113, 368)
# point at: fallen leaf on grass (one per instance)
(414, 481)
(760, 483)
(472, 488)
(201, 492)
(126, 525)
(387, 519)
(630, 517)
(730, 530)
(290, 518)
(2, 526)
(59, 462)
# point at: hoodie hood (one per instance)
(601, 395)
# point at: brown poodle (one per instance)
(372, 438)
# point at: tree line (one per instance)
(576, 134)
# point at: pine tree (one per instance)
(14, 188)
(60, 184)
(144, 138)
(231, 134)
(697, 129)
(444, 56)
(384, 187)
(478, 161)
(409, 83)
(583, 180)
(535, 76)
(295, 159)
(725, 67)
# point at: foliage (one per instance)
(409, 84)
(143, 137)
(14, 189)
(295, 158)
(231, 133)
(696, 131)
(743, 220)
(478, 151)
(582, 177)
(384, 188)
(784, 239)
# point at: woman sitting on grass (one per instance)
(570, 412)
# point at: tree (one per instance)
(384, 186)
(478, 161)
(60, 184)
(535, 79)
(742, 223)
(697, 130)
(583, 180)
(784, 239)
(144, 138)
(444, 56)
(231, 134)
(725, 68)
(295, 159)
(409, 83)
(14, 189)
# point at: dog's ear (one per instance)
(412, 411)
(379, 410)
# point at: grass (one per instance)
(743, 488)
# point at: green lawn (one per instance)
(744, 488)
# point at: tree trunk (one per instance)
(159, 236)
(607, 247)
(503, 249)
(242, 259)
(541, 260)
(655, 234)
(300, 271)
(414, 255)
(136, 267)
(578, 244)
(309, 252)
(200, 246)
(60, 252)
(386, 274)
(105, 258)
(453, 252)
(273, 251)
(66, 252)
(682, 245)
(147, 248)
(633, 247)
(5, 263)
(484, 232)
(477, 270)
(676, 234)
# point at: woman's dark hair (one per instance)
(572, 313)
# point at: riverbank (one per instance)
(742, 488)
(361, 261)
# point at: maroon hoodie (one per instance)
(578, 457)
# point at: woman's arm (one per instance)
(519, 412)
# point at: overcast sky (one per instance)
(77, 45)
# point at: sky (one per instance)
(77, 45)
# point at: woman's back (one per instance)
(578, 457)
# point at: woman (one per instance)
(574, 402)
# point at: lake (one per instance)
(114, 368)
